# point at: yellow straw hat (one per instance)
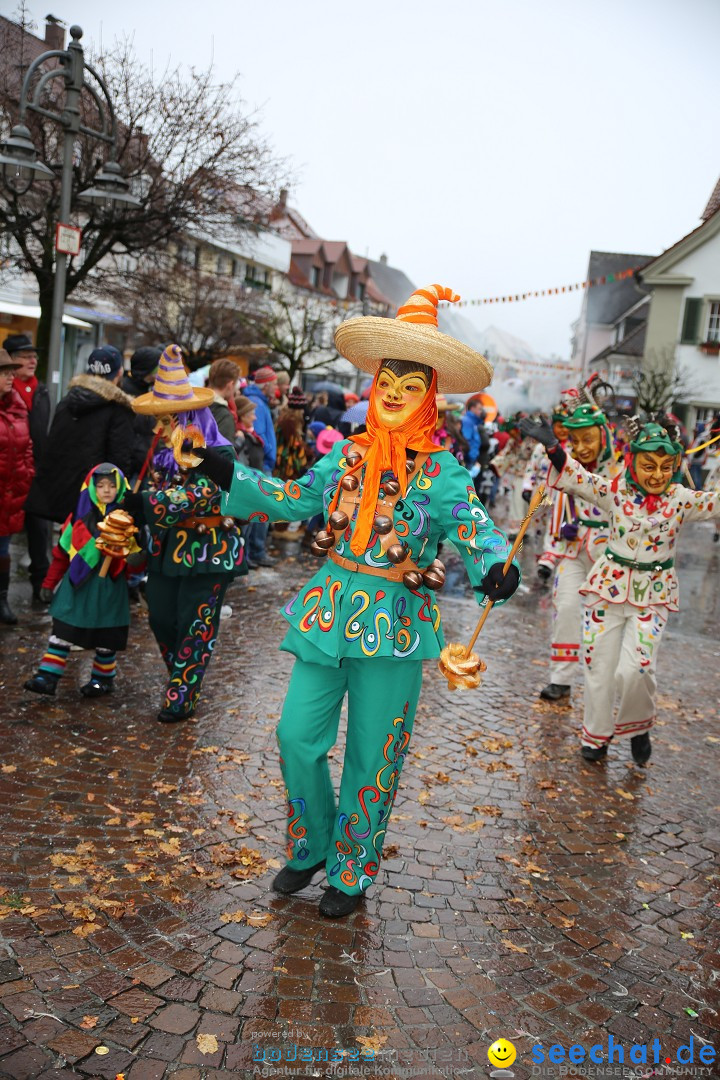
(172, 392)
(413, 335)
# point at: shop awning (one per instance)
(32, 311)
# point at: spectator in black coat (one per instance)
(37, 401)
(143, 366)
(93, 423)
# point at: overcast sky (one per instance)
(484, 144)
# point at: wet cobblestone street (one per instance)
(524, 893)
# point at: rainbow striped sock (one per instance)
(55, 659)
(103, 665)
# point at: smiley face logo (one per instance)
(502, 1053)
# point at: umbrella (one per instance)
(326, 385)
(356, 414)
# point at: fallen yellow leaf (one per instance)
(206, 1044)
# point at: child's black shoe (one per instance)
(43, 682)
(97, 687)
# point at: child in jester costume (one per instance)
(194, 551)
(89, 609)
(367, 619)
(632, 586)
(582, 533)
(536, 472)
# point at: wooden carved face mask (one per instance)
(397, 397)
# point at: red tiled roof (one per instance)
(713, 203)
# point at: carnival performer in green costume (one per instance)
(194, 550)
(367, 619)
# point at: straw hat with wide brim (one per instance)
(413, 335)
(172, 392)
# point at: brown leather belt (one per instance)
(212, 521)
(389, 573)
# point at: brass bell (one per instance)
(349, 482)
(202, 528)
(382, 524)
(353, 458)
(324, 539)
(338, 520)
(317, 551)
(433, 578)
(391, 488)
(397, 553)
(409, 465)
(438, 565)
(227, 523)
(412, 579)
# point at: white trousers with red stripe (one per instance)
(620, 647)
(567, 617)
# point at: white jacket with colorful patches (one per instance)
(637, 535)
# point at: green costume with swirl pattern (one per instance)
(364, 636)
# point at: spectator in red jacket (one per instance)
(16, 472)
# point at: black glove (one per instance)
(499, 586)
(542, 433)
(133, 503)
(216, 466)
(527, 495)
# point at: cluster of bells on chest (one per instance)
(433, 577)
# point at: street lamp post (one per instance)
(21, 166)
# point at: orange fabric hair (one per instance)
(387, 450)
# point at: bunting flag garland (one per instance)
(606, 279)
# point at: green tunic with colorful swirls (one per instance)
(343, 613)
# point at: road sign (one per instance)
(68, 239)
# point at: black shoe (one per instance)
(7, 615)
(265, 560)
(544, 573)
(97, 687)
(250, 564)
(134, 594)
(640, 748)
(291, 881)
(555, 691)
(716, 537)
(167, 716)
(593, 753)
(336, 904)
(43, 682)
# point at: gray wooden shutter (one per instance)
(691, 321)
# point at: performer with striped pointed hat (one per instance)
(194, 549)
(365, 622)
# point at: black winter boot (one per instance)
(7, 615)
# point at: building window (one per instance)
(713, 328)
(315, 277)
(360, 291)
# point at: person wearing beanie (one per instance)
(364, 623)
(143, 366)
(632, 587)
(92, 423)
(16, 472)
(37, 400)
